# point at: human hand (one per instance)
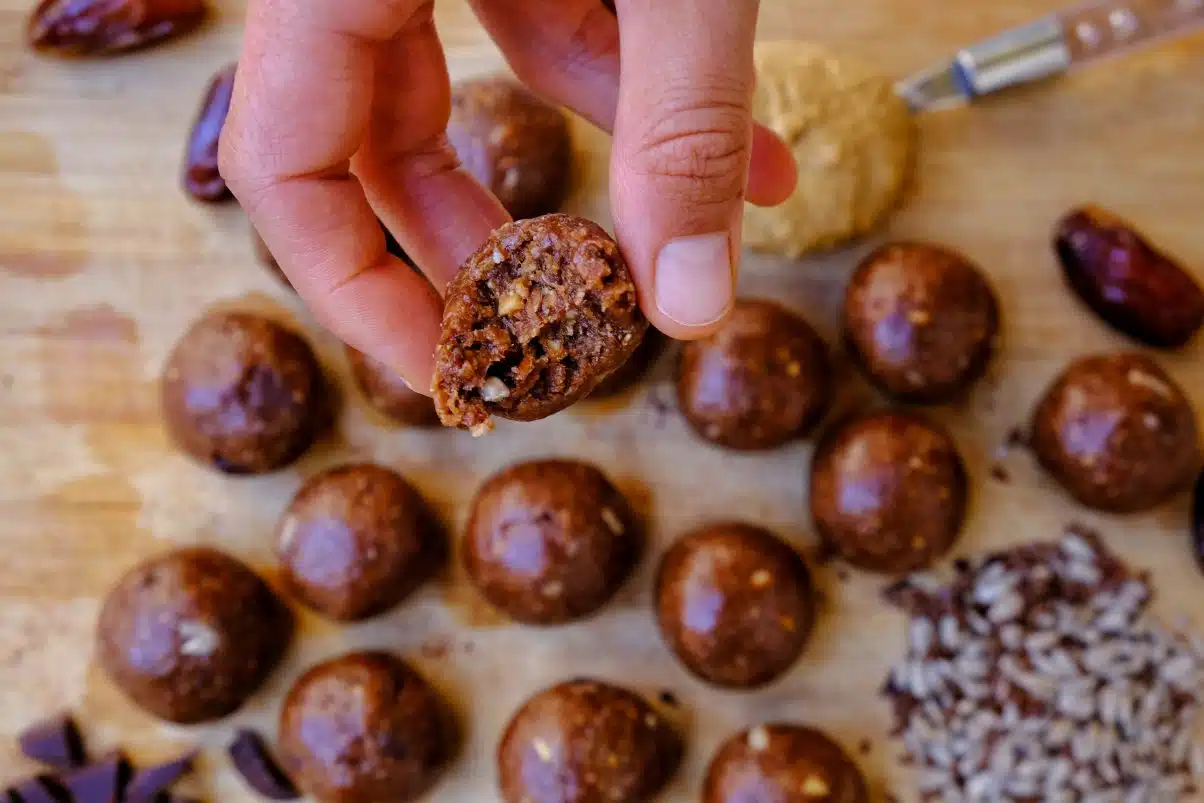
(339, 116)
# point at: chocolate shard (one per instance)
(148, 783)
(100, 782)
(35, 790)
(56, 742)
(255, 764)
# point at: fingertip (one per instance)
(772, 174)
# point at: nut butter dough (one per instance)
(853, 140)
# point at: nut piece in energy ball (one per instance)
(785, 764)
(549, 541)
(388, 393)
(759, 382)
(514, 143)
(853, 140)
(189, 635)
(1117, 433)
(355, 541)
(888, 492)
(365, 728)
(735, 604)
(1131, 285)
(201, 177)
(585, 741)
(534, 321)
(921, 321)
(109, 27)
(243, 394)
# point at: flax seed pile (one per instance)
(1034, 676)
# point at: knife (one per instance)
(1051, 46)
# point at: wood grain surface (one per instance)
(104, 262)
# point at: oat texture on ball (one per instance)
(534, 321)
(853, 140)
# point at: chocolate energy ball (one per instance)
(189, 635)
(735, 604)
(888, 492)
(534, 321)
(585, 741)
(243, 394)
(515, 144)
(365, 728)
(388, 393)
(355, 541)
(783, 764)
(1117, 433)
(921, 320)
(549, 541)
(761, 381)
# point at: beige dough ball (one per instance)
(853, 140)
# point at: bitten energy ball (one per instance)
(549, 541)
(735, 604)
(783, 764)
(515, 144)
(761, 381)
(365, 728)
(387, 392)
(888, 492)
(534, 321)
(1117, 433)
(921, 321)
(585, 741)
(243, 394)
(355, 541)
(189, 635)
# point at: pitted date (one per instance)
(201, 177)
(1131, 285)
(108, 27)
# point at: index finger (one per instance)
(302, 107)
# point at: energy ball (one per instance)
(921, 321)
(585, 741)
(514, 143)
(355, 541)
(759, 382)
(549, 541)
(243, 394)
(1117, 433)
(735, 604)
(365, 728)
(388, 393)
(189, 635)
(783, 764)
(888, 492)
(534, 321)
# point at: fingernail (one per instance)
(694, 279)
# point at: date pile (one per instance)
(1034, 676)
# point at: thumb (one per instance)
(683, 137)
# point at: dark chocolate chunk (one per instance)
(257, 767)
(100, 782)
(35, 790)
(148, 783)
(55, 742)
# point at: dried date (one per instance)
(108, 27)
(201, 177)
(1131, 285)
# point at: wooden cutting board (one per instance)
(103, 263)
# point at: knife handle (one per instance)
(1101, 29)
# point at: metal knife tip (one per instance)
(935, 88)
